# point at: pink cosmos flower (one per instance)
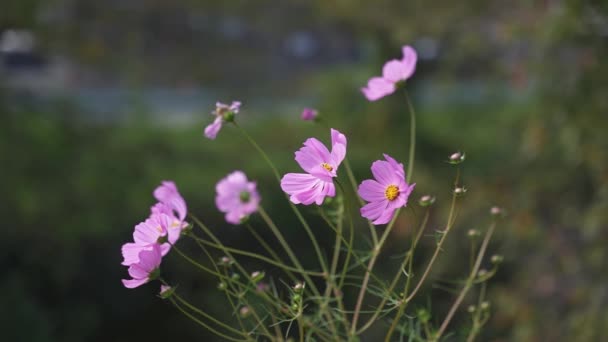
(237, 197)
(153, 231)
(386, 193)
(309, 114)
(393, 72)
(145, 269)
(321, 167)
(167, 194)
(222, 112)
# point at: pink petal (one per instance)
(398, 167)
(150, 259)
(338, 146)
(377, 88)
(212, 129)
(385, 217)
(384, 173)
(372, 191)
(409, 60)
(136, 271)
(373, 210)
(133, 283)
(394, 71)
(130, 253)
(312, 155)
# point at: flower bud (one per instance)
(471, 309)
(257, 276)
(222, 286)
(497, 259)
(459, 191)
(166, 291)
(485, 305)
(225, 261)
(456, 158)
(497, 212)
(245, 311)
(298, 288)
(309, 114)
(423, 315)
(426, 200)
(482, 272)
(235, 277)
(473, 233)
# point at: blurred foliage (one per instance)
(535, 137)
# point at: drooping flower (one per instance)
(237, 197)
(223, 113)
(145, 269)
(321, 167)
(167, 194)
(309, 114)
(386, 193)
(393, 72)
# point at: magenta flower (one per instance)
(145, 269)
(309, 114)
(237, 197)
(321, 167)
(167, 194)
(393, 72)
(386, 193)
(223, 113)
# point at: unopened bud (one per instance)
(497, 259)
(235, 277)
(485, 305)
(245, 311)
(222, 286)
(497, 211)
(473, 233)
(471, 308)
(426, 200)
(459, 191)
(257, 276)
(225, 261)
(456, 158)
(166, 291)
(298, 288)
(482, 272)
(309, 114)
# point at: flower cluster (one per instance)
(153, 238)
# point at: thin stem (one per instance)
(407, 260)
(269, 250)
(353, 182)
(409, 297)
(469, 282)
(206, 315)
(203, 324)
(370, 266)
(257, 256)
(410, 164)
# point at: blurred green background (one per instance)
(101, 100)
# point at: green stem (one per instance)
(270, 251)
(203, 324)
(370, 266)
(409, 297)
(410, 164)
(257, 256)
(353, 182)
(407, 260)
(468, 284)
(206, 315)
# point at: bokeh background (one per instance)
(101, 100)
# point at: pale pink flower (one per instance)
(153, 231)
(321, 167)
(145, 269)
(393, 72)
(237, 197)
(386, 193)
(223, 113)
(309, 114)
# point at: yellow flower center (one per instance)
(327, 167)
(391, 192)
(159, 228)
